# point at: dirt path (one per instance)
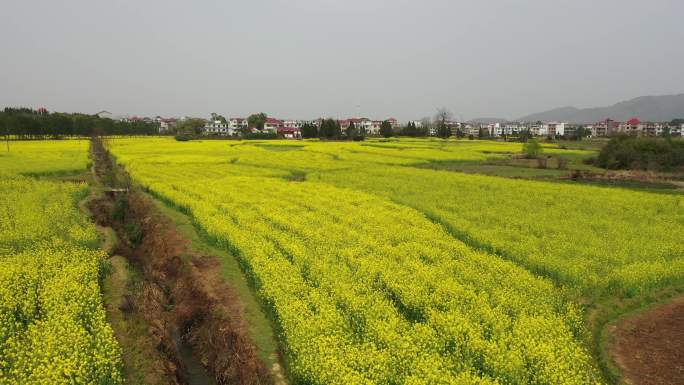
(649, 347)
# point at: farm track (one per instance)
(181, 298)
(649, 346)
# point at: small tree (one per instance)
(409, 130)
(532, 149)
(441, 119)
(386, 129)
(257, 121)
(309, 130)
(443, 131)
(330, 129)
(351, 131)
(191, 126)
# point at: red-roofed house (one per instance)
(272, 125)
(289, 132)
(631, 127)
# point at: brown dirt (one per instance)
(649, 347)
(179, 291)
(669, 180)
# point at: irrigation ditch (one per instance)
(174, 297)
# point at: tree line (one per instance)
(26, 123)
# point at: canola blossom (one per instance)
(364, 290)
(53, 328)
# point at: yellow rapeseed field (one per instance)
(53, 328)
(364, 289)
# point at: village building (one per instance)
(218, 127)
(238, 124)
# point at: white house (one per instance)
(237, 124)
(217, 127)
(554, 128)
(374, 127)
(166, 123)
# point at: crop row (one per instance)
(53, 328)
(367, 291)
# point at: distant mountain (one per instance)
(487, 120)
(647, 108)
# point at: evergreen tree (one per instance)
(443, 131)
(386, 129)
(351, 131)
(309, 130)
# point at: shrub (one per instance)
(261, 135)
(532, 149)
(630, 152)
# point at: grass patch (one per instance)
(279, 147)
(130, 329)
(495, 169)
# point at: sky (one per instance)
(304, 59)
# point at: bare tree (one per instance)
(443, 116)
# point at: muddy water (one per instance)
(195, 371)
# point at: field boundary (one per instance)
(194, 316)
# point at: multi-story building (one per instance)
(238, 124)
(165, 124)
(554, 129)
(606, 127)
(652, 129)
(218, 127)
(677, 130)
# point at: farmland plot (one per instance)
(53, 328)
(362, 289)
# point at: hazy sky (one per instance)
(310, 58)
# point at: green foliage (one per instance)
(532, 149)
(630, 152)
(30, 124)
(352, 132)
(330, 129)
(443, 131)
(386, 129)
(193, 126)
(582, 132)
(260, 135)
(409, 130)
(309, 130)
(134, 233)
(257, 121)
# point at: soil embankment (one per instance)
(193, 318)
(649, 347)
